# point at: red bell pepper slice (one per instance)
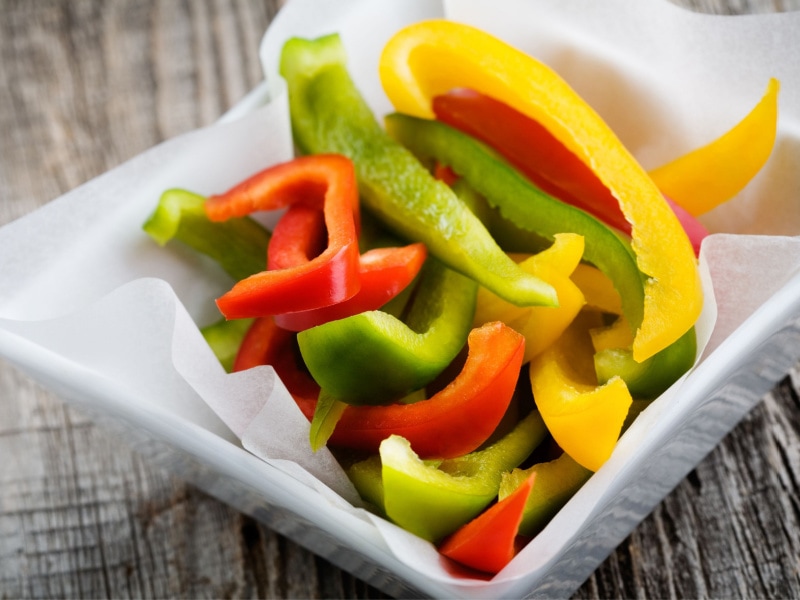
(534, 151)
(325, 181)
(457, 419)
(267, 344)
(384, 272)
(488, 542)
(453, 422)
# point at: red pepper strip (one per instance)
(326, 181)
(488, 542)
(267, 344)
(457, 419)
(384, 272)
(453, 422)
(298, 237)
(541, 157)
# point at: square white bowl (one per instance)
(129, 377)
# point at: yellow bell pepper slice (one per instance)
(616, 335)
(584, 419)
(540, 325)
(597, 288)
(716, 172)
(432, 57)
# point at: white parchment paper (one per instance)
(79, 278)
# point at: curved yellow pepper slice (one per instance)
(431, 57)
(714, 173)
(597, 288)
(540, 325)
(584, 419)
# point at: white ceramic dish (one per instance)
(113, 330)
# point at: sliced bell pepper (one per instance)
(433, 499)
(239, 246)
(453, 421)
(522, 204)
(267, 344)
(430, 58)
(556, 482)
(540, 325)
(650, 378)
(376, 358)
(598, 290)
(325, 181)
(383, 272)
(225, 337)
(716, 172)
(542, 158)
(584, 419)
(329, 115)
(488, 542)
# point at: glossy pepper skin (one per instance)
(533, 150)
(488, 542)
(556, 482)
(584, 418)
(325, 181)
(429, 58)
(712, 174)
(520, 202)
(329, 115)
(239, 246)
(434, 498)
(452, 422)
(383, 273)
(376, 358)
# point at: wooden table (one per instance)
(85, 85)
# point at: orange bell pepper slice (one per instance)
(429, 58)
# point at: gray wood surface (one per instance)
(87, 84)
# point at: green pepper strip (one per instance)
(526, 207)
(239, 246)
(556, 482)
(329, 115)
(376, 358)
(434, 498)
(522, 203)
(650, 378)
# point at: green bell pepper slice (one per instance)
(375, 358)
(650, 378)
(239, 246)
(434, 498)
(555, 483)
(522, 203)
(329, 115)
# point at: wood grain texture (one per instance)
(87, 84)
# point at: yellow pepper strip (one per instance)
(432, 57)
(616, 335)
(584, 419)
(540, 325)
(716, 172)
(597, 288)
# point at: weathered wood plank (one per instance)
(86, 85)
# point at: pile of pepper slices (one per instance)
(472, 301)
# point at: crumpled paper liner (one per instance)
(80, 281)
